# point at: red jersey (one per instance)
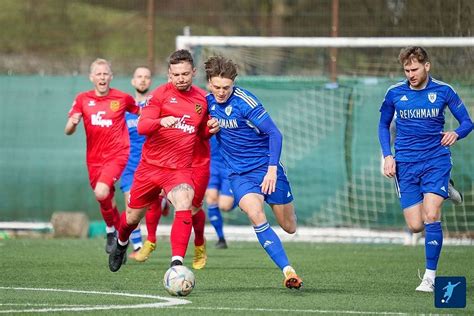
(104, 123)
(202, 153)
(172, 147)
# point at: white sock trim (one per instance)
(122, 243)
(431, 274)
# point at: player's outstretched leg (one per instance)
(274, 248)
(433, 245)
(200, 255)
(152, 219)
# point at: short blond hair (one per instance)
(100, 61)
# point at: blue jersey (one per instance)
(136, 140)
(242, 146)
(420, 118)
(216, 157)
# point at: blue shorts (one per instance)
(414, 179)
(127, 176)
(249, 182)
(219, 180)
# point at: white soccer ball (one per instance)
(179, 281)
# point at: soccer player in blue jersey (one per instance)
(141, 82)
(422, 162)
(219, 196)
(250, 144)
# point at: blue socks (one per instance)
(136, 238)
(272, 244)
(433, 244)
(215, 218)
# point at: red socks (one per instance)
(199, 220)
(152, 218)
(125, 229)
(110, 214)
(180, 232)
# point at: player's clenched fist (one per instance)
(168, 121)
(76, 118)
(213, 125)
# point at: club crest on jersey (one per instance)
(198, 108)
(228, 110)
(432, 97)
(115, 105)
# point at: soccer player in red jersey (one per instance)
(103, 111)
(174, 117)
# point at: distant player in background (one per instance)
(219, 196)
(173, 119)
(250, 144)
(141, 82)
(103, 110)
(422, 163)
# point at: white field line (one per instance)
(168, 302)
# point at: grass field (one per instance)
(68, 276)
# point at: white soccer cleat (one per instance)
(454, 195)
(426, 285)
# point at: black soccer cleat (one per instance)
(117, 257)
(176, 263)
(221, 244)
(111, 241)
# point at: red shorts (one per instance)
(108, 172)
(201, 179)
(149, 180)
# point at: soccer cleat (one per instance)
(221, 244)
(454, 195)
(111, 241)
(200, 256)
(133, 254)
(117, 257)
(176, 263)
(145, 251)
(426, 285)
(292, 280)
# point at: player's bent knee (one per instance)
(416, 228)
(101, 193)
(289, 227)
(432, 217)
